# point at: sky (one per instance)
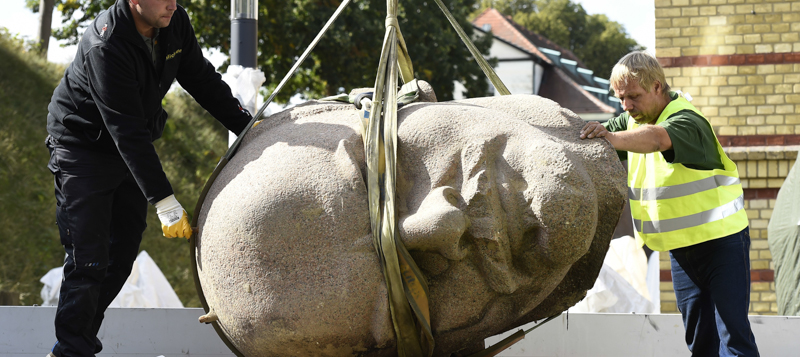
(637, 16)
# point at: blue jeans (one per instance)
(712, 287)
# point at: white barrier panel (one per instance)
(657, 335)
(126, 332)
(29, 331)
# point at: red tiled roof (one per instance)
(564, 91)
(506, 29)
(556, 84)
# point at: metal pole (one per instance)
(244, 29)
(244, 48)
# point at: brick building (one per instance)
(740, 60)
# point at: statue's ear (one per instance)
(438, 225)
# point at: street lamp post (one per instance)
(244, 29)
(243, 76)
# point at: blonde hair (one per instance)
(639, 66)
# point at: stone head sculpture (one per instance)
(505, 210)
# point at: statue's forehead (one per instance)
(445, 128)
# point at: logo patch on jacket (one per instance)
(103, 32)
(173, 54)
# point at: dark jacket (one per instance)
(110, 96)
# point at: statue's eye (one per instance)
(524, 252)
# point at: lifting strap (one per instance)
(406, 286)
(487, 69)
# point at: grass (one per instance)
(189, 149)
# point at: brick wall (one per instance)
(740, 60)
(744, 100)
(726, 27)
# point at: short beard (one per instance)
(643, 121)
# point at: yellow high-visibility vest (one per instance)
(674, 206)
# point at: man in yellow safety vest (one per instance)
(685, 198)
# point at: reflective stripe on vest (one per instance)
(693, 220)
(661, 193)
(674, 206)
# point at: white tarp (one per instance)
(626, 281)
(145, 287)
(784, 244)
(244, 83)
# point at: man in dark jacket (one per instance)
(104, 116)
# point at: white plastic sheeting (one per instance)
(654, 281)
(145, 287)
(244, 83)
(626, 281)
(784, 244)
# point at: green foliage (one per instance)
(596, 40)
(191, 146)
(75, 15)
(27, 209)
(507, 7)
(346, 58)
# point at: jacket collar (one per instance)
(124, 25)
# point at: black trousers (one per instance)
(101, 216)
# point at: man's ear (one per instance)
(438, 225)
(658, 88)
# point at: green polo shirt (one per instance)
(151, 44)
(693, 142)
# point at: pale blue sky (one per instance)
(637, 16)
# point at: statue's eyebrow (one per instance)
(476, 154)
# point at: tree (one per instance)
(596, 40)
(346, 58)
(507, 7)
(46, 18)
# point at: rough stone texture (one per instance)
(506, 211)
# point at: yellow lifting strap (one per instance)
(485, 66)
(406, 286)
